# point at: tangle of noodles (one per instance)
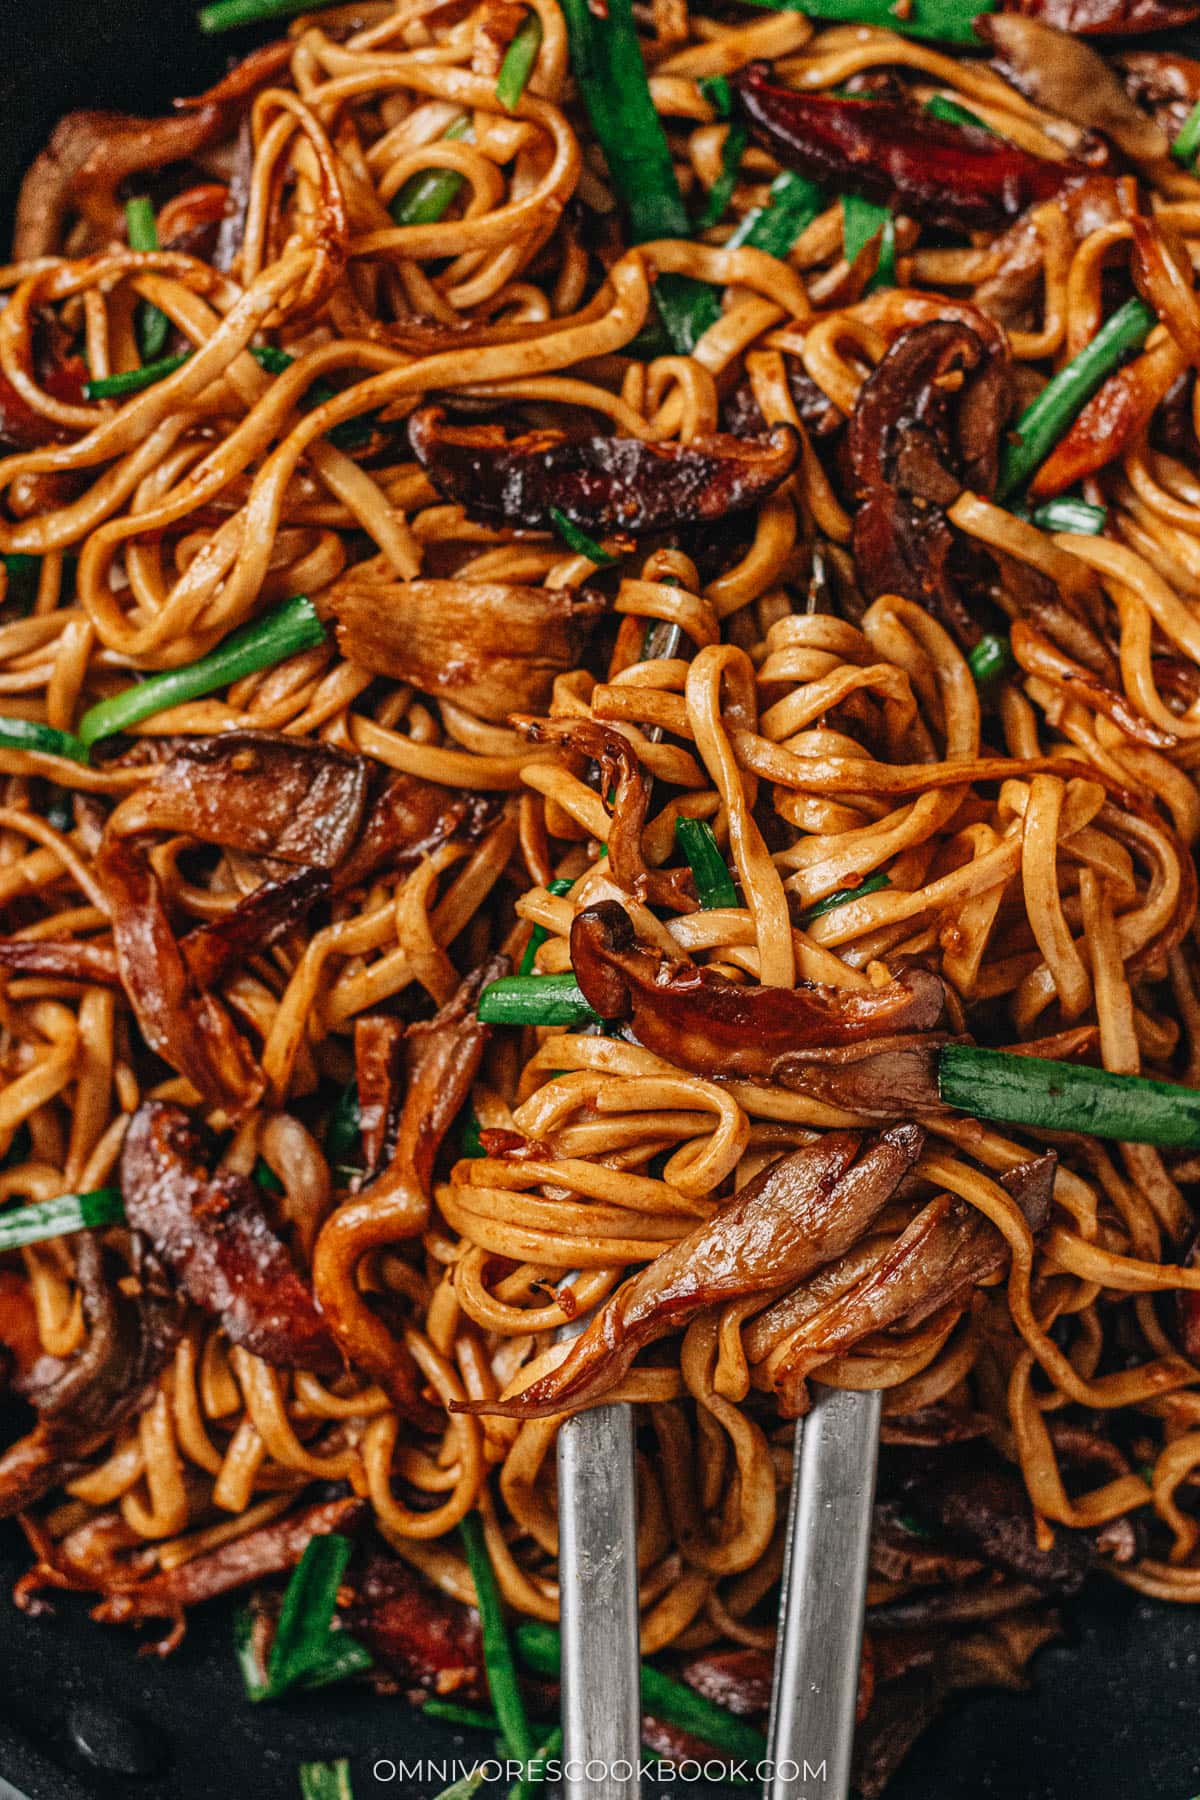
(1037, 834)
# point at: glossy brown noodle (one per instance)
(1038, 842)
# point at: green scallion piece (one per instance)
(535, 1000)
(1046, 419)
(351, 434)
(990, 658)
(245, 1650)
(469, 1717)
(944, 21)
(141, 230)
(606, 55)
(610, 72)
(951, 113)
(792, 205)
(132, 381)
(340, 1657)
(24, 572)
(665, 1698)
(342, 1133)
(265, 1177)
(719, 195)
(27, 734)
(58, 1218)
(464, 1787)
(470, 1142)
(535, 1770)
(539, 934)
(326, 1780)
(1062, 1096)
(863, 220)
(687, 308)
(1187, 143)
(1070, 513)
(289, 628)
(271, 358)
(576, 539)
(307, 1613)
(426, 197)
(235, 15)
(518, 62)
(718, 93)
(499, 1663)
(873, 884)
(714, 883)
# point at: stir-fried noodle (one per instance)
(270, 887)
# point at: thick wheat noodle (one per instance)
(1037, 853)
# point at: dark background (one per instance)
(1115, 1709)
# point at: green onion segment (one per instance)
(289, 628)
(47, 1219)
(714, 883)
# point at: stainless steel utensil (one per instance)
(823, 1600)
(597, 1560)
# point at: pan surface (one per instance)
(1113, 1709)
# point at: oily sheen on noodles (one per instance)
(918, 770)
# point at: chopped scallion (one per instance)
(945, 21)
(1187, 142)
(499, 1663)
(469, 1717)
(721, 192)
(426, 197)
(464, 1787)
(518, 62)
(718, 93)
(132, 381)
(535, 1000)
(1062, 1096)
(951, 113)
(665, 1698)
(793, 203)
(306, 1615)
(326, 1780)
(872, 884)
(534, 1775)
(58, 1218)
(1070, 513)
(990, 658)
(342, 1133)
(23, 574)
(27, 734)
(576, 539)
(284, 632)
(863, 221)
(235, 15)
(714, 883)
(141, 230)
(1047, 417)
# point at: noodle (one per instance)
(1029, 842)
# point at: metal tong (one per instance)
(821, 1604)
(597, 1561)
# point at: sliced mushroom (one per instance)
(915, 441)
(702, 1021)
(802, 1211)
(491, 647)
(601, 484)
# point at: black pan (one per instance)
(1113, 1710)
